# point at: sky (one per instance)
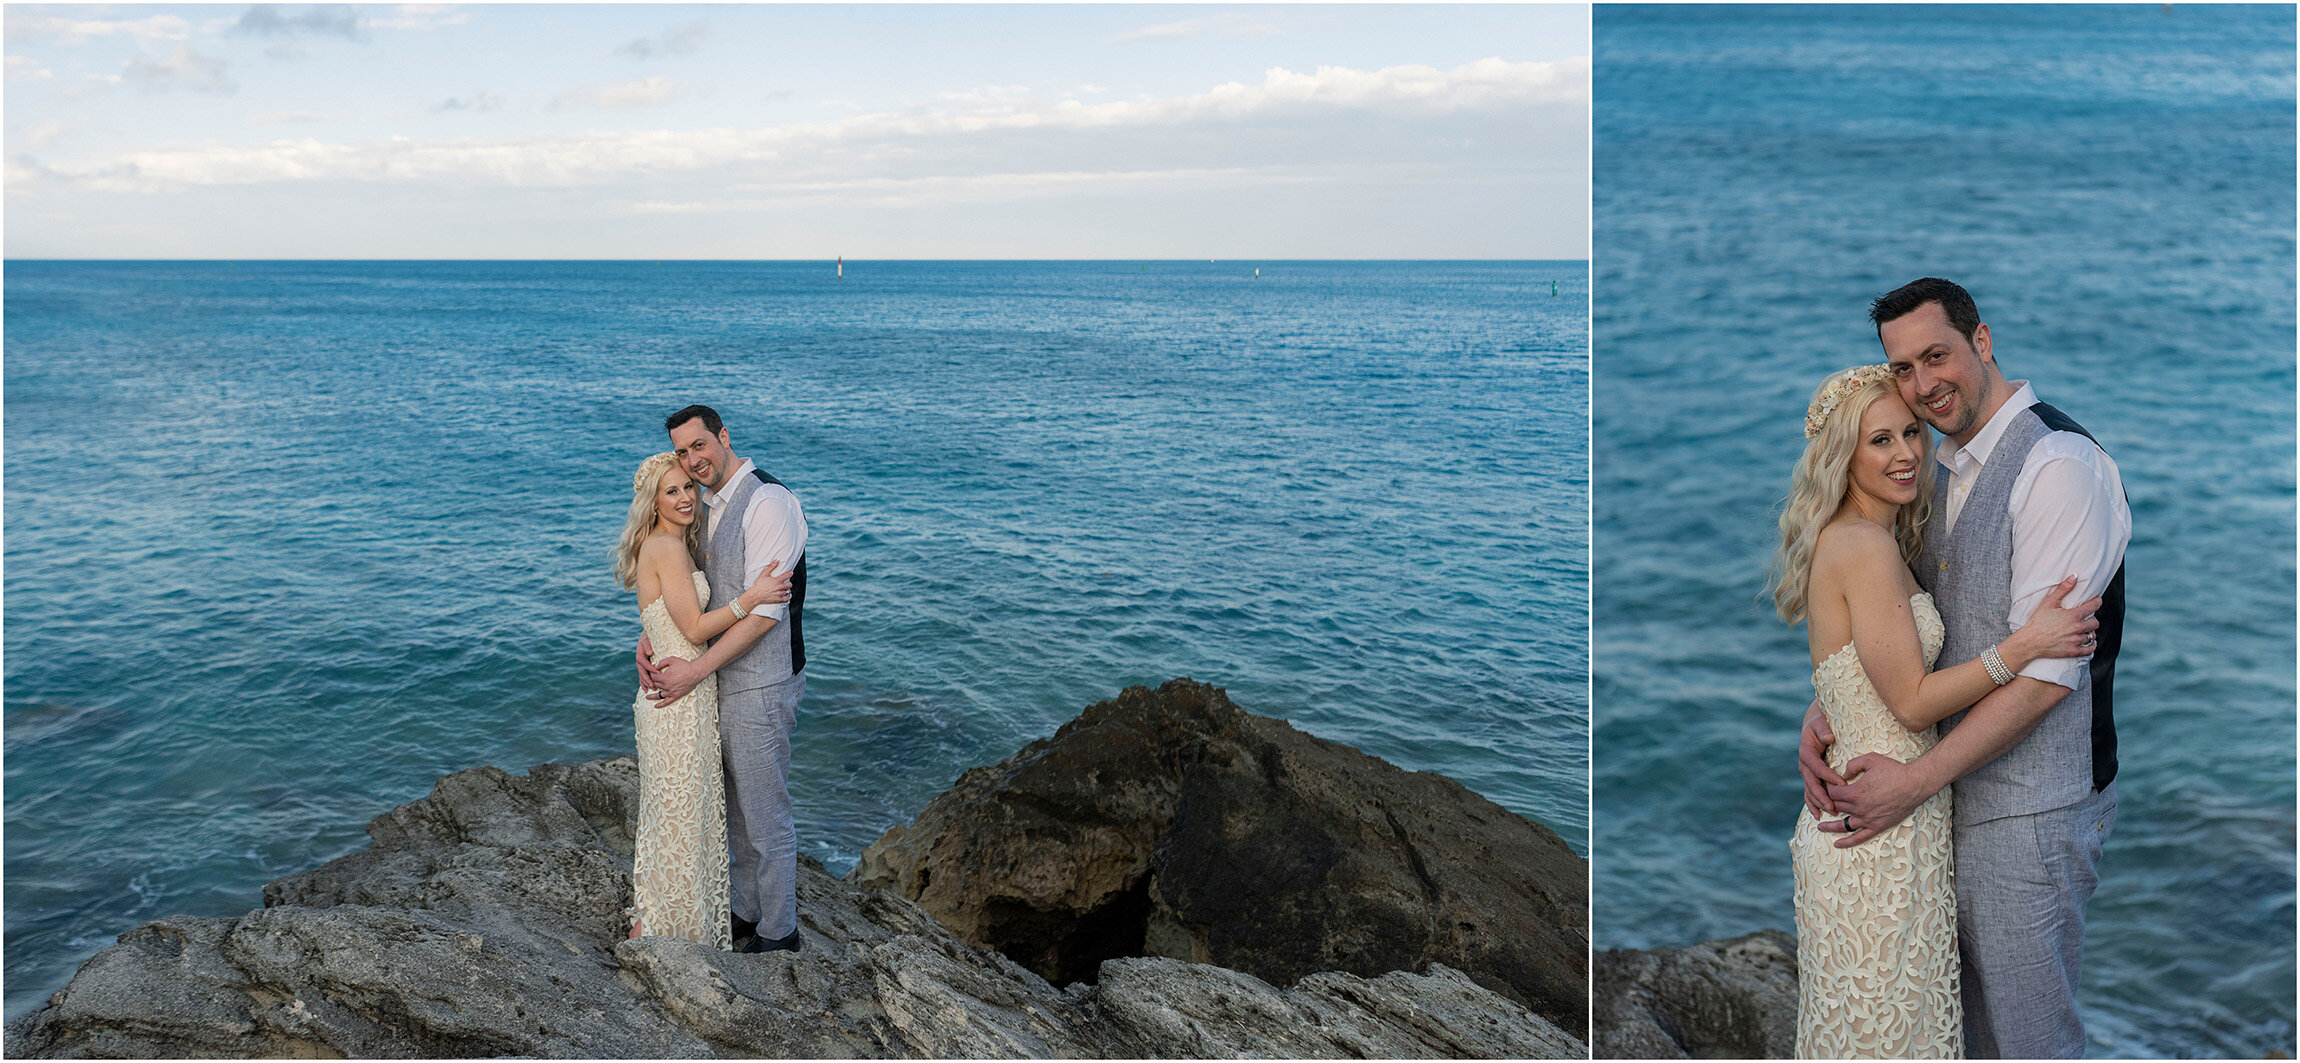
(738, 131)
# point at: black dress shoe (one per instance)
(739, 928)
(789, 943)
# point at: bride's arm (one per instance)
(676, 574)
(1885, 635)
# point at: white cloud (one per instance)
(987, 93)
(1284, 113)
(40, 137)
(974, 188)
(186, 69)
(26, 68)
(645, 92)
(477, 101)
(74, 31)
(681, 41)
(1485, 83)
(323, 20)
(291, 118)
(1227, 24)
(91, 86)
(420, 17)
(1482, 83)
(21, 171)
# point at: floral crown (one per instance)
(649, 469)
(1838, 387)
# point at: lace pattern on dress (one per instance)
(1877, 972)
(679, 871)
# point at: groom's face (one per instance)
(1941, 374)
(704, 455)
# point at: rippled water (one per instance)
(288, 541)
(2116, 188)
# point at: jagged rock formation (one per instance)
(486, 919)
(1170, 823)
(1731, 999)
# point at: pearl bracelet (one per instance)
(1995, 663)
(740, 613)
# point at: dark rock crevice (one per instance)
(1268, 851)
(1066, 947)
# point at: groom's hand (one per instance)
(1813, 744)
(1879, 792)
(675, 679)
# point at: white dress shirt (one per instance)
(2068, 517)
(774, 529)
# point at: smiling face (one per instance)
(1882, 475)
(675, 499)
(1946, 379)
(704, 454)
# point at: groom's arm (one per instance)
(679, 676)
(2069, 519)
(1880, 792)
(774, 528)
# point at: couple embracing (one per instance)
(721, 667)
(1963, 623)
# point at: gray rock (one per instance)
(1171, 823)
(1731, 999)
(1166, 1009)
(486, 920)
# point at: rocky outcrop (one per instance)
(1731, 999)
(485, 920)
(1170, 823)
(1162, 1008)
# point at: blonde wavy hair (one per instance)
(641, 521)
(1823, 478)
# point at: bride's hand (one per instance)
(2055, 630)
(648, 677)
(772, 586)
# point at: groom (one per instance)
(750, 521)
(2024, 498)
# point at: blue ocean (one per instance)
(2115, 186)
(288, 541)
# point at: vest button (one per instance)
(1944, 566)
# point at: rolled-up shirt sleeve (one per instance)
(2069, 517)
(774, 529)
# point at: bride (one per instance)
(679, 871)
(1876, 923)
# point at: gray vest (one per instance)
(768, 661)
(1969, 574)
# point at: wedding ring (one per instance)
(1846, 823)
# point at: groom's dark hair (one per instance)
(1956, 302)
(710, 419)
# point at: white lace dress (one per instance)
(1877, 923)
(679, 873)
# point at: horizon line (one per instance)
(835, 258)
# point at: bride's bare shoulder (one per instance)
(663, 549)
(1853, 545)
